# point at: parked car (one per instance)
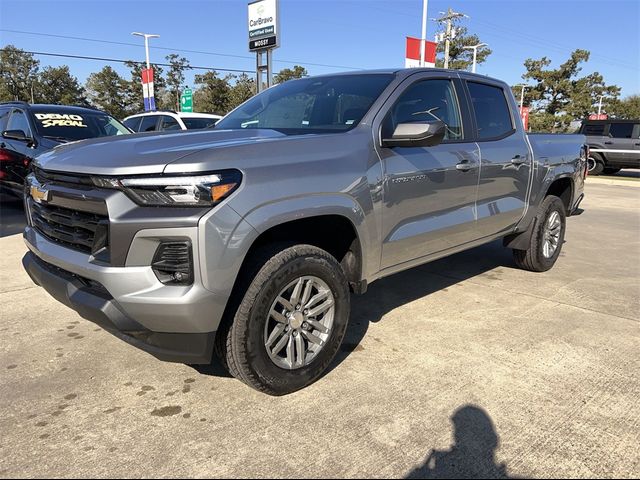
(28, 130)
(247, 239)
(160, 121)
(614, 144)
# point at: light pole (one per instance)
(424, 31)
(600, 106)
(146, 36)
(524, 86)
(475, 51)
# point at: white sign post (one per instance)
(264, 35)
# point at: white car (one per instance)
(162, 120)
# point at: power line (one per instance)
(200, 52)
(117, 60)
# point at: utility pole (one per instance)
(475, 51)
(146, 36)
(449, 17)
(424, 31)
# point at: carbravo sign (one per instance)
(263, 25)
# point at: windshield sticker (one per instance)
(60, 120)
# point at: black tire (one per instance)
(240, 344)
(533, 258)
(611, 170)
(595, 164)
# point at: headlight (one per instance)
(177, 191)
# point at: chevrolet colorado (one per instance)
(246, 240)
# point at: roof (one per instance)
(404, 72)
(54, 108)
(179, 114)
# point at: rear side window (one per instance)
(491, 111)
(594, 130)
(193, 123)
(621, 130)
(133, 123)
(148, 123)
(169, 123)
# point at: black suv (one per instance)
(29, 130)
(614, 144)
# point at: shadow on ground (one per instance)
(12, 218)
(391, 292)
(473, 453)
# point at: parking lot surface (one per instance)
(463, 367)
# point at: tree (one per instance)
(462, 58)
(18, 73)
(134, 95)
(57, 85)
(242, 90)
(288, 74)
(560, 93)
(105, 90)
(627, 108)
(212, 93)
(175, 75)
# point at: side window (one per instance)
(169, 123)
(427, 100)
(148, 123)
(621, 130)
(133, 123)
(594, 130)
(18, 121)
(491, 110)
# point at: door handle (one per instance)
(608, 143)
(518, 160)
(464, 166)
(637, 144)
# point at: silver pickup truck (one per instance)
(246, 240)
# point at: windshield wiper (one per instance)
(59, 139)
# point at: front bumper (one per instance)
(93, 302)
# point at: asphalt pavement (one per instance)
(465, 367)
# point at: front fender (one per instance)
(278, 212)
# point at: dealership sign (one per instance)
(263, 25)
(524, 115)
(596, 116)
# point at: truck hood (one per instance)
(144, 153)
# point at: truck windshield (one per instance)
(310, 105)
(75, 125)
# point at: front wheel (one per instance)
(546, 239)
(290, 322)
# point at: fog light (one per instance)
(173, 263)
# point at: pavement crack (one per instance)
(18, 289)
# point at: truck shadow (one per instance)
(396, 290)
(473, 453)
(12, 219)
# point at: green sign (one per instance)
(186, 100)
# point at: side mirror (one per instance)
(16, 135)
(416, 134)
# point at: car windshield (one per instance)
(310, 105)
(75, 125)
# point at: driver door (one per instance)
(429, 192)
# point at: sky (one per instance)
(327, 36)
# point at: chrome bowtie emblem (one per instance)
(39, 193)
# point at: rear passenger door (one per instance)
(505, 159)
(168, 123)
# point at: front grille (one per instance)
(83, 231)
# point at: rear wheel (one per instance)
(290, 322)
(546, 239)
(595, 164)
